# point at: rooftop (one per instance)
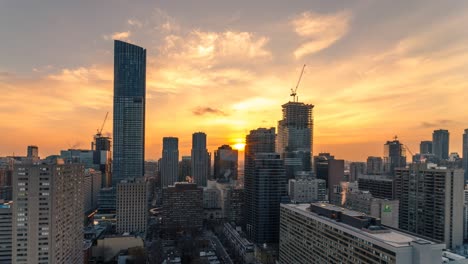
(389, 236)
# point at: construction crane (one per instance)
(294, 91)
(99, 132)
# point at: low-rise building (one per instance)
(242, 249)
(307, 190)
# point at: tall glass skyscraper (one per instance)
(265, 186)
(129, 111)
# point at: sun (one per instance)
(239, 146)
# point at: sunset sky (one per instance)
(375, 69)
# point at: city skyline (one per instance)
(366, 87)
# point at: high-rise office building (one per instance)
(431, 202)
(440, 144)
(5, 232)
(129, 111)
(425, 147)
(170, 161)
(394, 156)
(356, 169)
(465, 154)
(132, 211)
(295, 137)
(225, 163)
(33, 152)
(265, 186)
(182, 208)
(323, 233)
(48, 210)
(200, 159)
(374, 165)
(185, 168)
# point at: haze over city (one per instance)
(375, 69)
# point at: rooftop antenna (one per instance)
(294, 91)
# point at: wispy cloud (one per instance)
(319, 31)
(199, 111)
(124, 35)
(437, 123)
(135, 22)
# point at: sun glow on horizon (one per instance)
(239, 146)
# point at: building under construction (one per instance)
(295, 137)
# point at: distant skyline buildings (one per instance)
(225, 163)
(425, 147)
(129, 111)
(170, 161)
(200, 158)
(441, 144)
(394, 156)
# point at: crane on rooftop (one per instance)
(294, 91)
(99, 131)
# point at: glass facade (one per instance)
(129, 111)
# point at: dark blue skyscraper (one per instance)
(200, 159)
(440, 144)
(129, 111)
(265, 186)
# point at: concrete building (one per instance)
(170, 161)
(329, 169)
(425, 147)
(307, 190)
(465, 214)
(234, 205)
(212, 204)
(91, 187)
(363, 201)
(5, 232)
(131, 207)
(295, 137)
(324, 233)
(200, 159)
(129, 111)
(394, 156)
(431, 202)
(48, 210)
(440, 144)
(108, 247)
(225, 163)
(374, 165)
(182, 208)
(356, 169)
(380, 186)
(465, 155)
(243, 250)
